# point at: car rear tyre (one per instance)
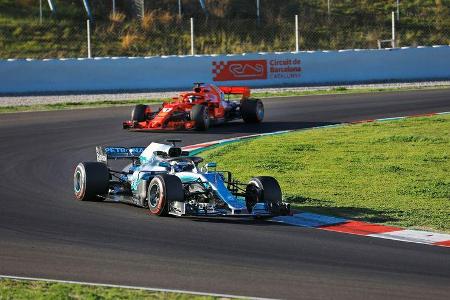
(163, 190)
(264, 189)
(252, 110)
(90, 179)
(199, 114)
(138, 113)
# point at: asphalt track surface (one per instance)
(44, 232)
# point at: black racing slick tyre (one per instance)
(138, 113)
(264, 189)
(162, 190)
(199, 114)
(252, 110)
(90, 180)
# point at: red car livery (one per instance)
(198, 109)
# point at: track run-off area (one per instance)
(45, 233)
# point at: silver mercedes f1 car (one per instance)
(167, 180)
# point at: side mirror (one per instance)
(211, 165)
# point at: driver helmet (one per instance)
(192, 98)
(183, 166)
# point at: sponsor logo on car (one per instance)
(119, 152)
(116, 150)
(101, 157)
(136, 151)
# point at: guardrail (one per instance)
(254, 70)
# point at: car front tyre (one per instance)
(162, 190)
(264, 189)
(200, 115)
(90, 180)
(138, 114)
(252, 110)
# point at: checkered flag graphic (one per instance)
(218, 67)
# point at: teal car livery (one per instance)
(166, 180)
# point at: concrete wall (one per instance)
(255, 70)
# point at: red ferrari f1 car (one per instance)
(206, 105)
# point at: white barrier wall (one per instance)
(255, 70)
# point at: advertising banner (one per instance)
(255, 70)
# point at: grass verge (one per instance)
(75, 105)
(42, 290)
(393, 172)
(286, 93)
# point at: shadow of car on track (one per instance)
(244, 221)
(248, 221)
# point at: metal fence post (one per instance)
(192, 36)
(88, 22)
(40, 11)
(257, 12)
(114, 6)
(139, 8)
(393, 30)
(398, 11)
(296, 34)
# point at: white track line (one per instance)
(414, 236)
(131, 287)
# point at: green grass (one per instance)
(42, 290)
(109, 103)
(393, 172)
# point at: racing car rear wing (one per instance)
(236, 90)
(105, 153)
